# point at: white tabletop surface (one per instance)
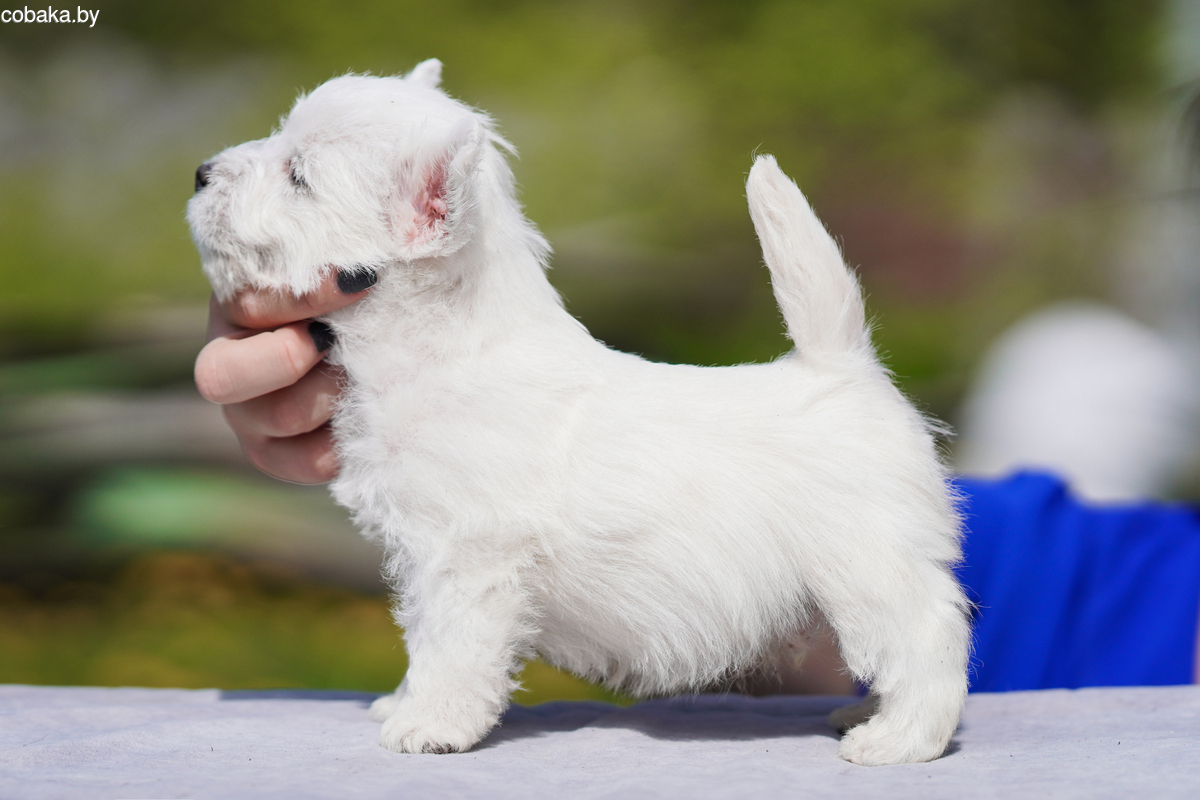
(73, 742)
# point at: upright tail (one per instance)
(819, 297)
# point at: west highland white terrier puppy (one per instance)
(658, 528)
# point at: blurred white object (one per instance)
(1085, 391)
(1088, 393)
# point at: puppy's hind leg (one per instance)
(464, 640)
(911, 645)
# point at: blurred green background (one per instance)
(975, 158)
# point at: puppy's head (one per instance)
(364, 172)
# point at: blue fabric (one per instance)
(1073, 595)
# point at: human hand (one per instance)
(264, 363)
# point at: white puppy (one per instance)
(655, 527)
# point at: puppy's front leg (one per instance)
(465, 636)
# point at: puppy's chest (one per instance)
(461, 442)
(385, 417)
(472, 412)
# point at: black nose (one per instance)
(202, 175)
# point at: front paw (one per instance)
(412, 730)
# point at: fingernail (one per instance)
(357, 281)
(322, 335)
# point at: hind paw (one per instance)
(875, 743)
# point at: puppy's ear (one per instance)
(438, 193)
(427, 73)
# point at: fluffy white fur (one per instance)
(655, 527)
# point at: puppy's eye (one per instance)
(294, 175)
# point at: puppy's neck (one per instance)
(452, 307)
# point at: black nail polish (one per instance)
(322, 335)
(356, 281)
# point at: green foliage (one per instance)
(1090, 52)
(194, 621)
(636, 121)
(644, 112)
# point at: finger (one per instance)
(233, 370)
(263, 309)
(308, 458)
(302, 407)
